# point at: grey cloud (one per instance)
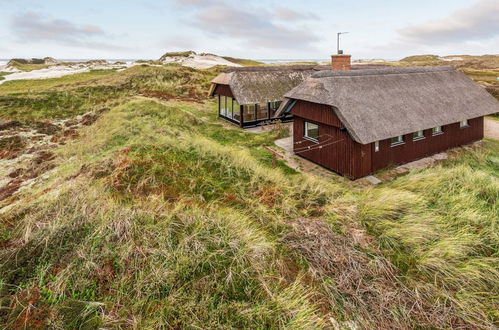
(478, 22)
(253, 27)
(33, 27)
(289, 14)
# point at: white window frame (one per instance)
(439, 132)
(400, 141)
(418, 137)
(305, 132)
(376, 146)
(464, 123)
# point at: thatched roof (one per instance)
(382, 103)
(261, 84)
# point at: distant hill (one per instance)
(45, 60)
(420, 58)
(203, 60)
(459, 61)
(31, 64)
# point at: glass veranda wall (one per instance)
(252, 114)
(229, 108)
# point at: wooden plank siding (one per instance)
(452, 136)
(316, 112)
(339, 151)
(223, 90)
(354, 160)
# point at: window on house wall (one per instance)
(311, 131)
(219, 104)
(419, 135)
(223, 105)
(376, 146)
(249, 112)
(236, 110)
(397, 140)
(229, 107)
(437, 130)
(464, 123)
(262, 111)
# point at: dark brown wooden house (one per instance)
(249, 96)
(357, 122)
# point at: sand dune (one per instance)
(57, 71)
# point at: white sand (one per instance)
(451, 58)
(57, 71)
(199, 61)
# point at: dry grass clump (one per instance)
(437, 226)
(360, 285)
(123, 251)
(157, 265)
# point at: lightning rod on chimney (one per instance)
(338, 42)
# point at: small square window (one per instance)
(437, 130)
(376, 146)
(464, 123)
(397, 140)
(418, 135)
(311, 131)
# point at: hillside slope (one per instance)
(203, 61)
(156, 214)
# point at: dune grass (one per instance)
(242, 61)
(439, 227)
(27, 67)
(159, 215)
(35, 85)
(3, 74)
(68, 96)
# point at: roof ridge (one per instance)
(264, 68)
(382, 71)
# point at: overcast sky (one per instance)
(259, 29)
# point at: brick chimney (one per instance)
(341, 62)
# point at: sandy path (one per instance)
(491, 127)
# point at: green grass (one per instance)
(35, 85)
(58, 104)
(27, 67)
(438, 226)
(183, 54)
(159, 215)
(3, 74)
(242, 61)
(68, 96)
(421, 58)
